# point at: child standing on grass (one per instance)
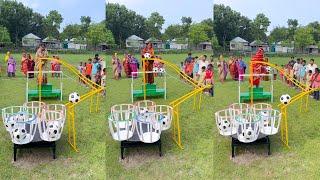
(182, 69)
(11, 69)
(201, 76)
(24, 64)
(302, 72)
(57, 66)
(308, 79)
(208, 79)
(221, 73)
(103, 81)
(80, 68)
(89, 69)
(31, 65)
(291, 74)
(315, 83)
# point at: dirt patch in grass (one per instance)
(139, 156)
(32, 158)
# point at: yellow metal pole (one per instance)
(144, 79)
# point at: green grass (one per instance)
(206, 154)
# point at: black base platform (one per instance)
(263, 141)
(39, 144)
(132, 144)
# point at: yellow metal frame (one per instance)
(95, 89)
(196, 94)
(303, 97)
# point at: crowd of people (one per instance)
(129, 65)
(302, 72)
(94, 69)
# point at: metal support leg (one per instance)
(232, 148)
(54, 150)
(14, 152)
(160, 150)
(122, 150)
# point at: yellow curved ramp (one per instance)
(196, 94)
(95, 89)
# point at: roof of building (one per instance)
(31, 36)
(239, 40)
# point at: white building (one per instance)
(239, 44)
(30, 40)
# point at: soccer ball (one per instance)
(264, 115)
(161, 70)
(53, 129)
(155, 70)
(224, 126)
(74, 97)
(143, 110)
(147, 55)
(19, 134)
(248, 134)
(285, 99)
(268, 69)
(10, 123)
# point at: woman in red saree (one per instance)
(149, 63)
(126, 66)
(24, 64)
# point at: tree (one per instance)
(186, 23)
(16, 18)
(53, 21)
(215, 42)
(72, 31)
(197, 34)
(173, 31)
(315, 26)
(154, 24)
(97, 33)
(4, 35)
(292, 25)
(278, 34)
(226, 24)
(260, 26)
(208, 24)
(85, 23)
(303, 37)
(124, 23)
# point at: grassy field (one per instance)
(206, 154)
(38, 163)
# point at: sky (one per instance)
(71, 10)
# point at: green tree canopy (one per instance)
(303, 37)
(124, 23)
(197, 34)
(278, 34)
(260, 26)
(53, 21)
(97, 33)
(173, 31)
(4, 35)
(154, 24)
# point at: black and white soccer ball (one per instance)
(19, 134)
(143, 110)
(53, 129)
(147, 55)
(155, 70)
(264, 117)
(268, 69)
(224, 126)
(74, 97)
(11, 122)
(162, 70)
(285, 99)
(248, 134)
